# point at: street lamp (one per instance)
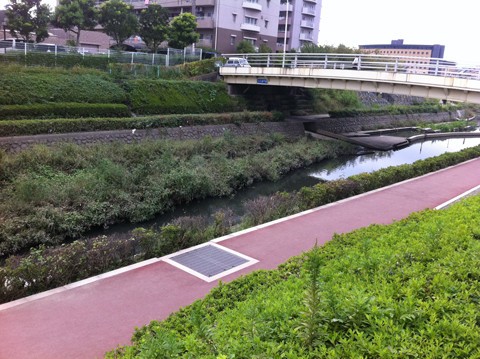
(285, 36)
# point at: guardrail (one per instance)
(365, 62)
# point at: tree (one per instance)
(245, 47)
(118, 20)
(75, 16)
(264, 49)
(328, 49)
(153, 26)
(182, 31)
(28, 18)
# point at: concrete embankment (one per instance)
(18, 143)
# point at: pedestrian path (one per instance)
(88, 318)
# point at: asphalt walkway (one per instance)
(88, 318)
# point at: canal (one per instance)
(327, 170)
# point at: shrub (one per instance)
(34, 127)
(66, 110)
(411, 285)
(46, 268)
(29, 88)
(160, 97)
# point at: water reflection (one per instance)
(378, 160)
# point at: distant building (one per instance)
(223, 24)
(398, 48)
(408, 54)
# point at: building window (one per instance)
(266, 24)
(232, 40)
(234, 17)
(250, 20)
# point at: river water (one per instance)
(327, 170)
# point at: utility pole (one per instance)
(285, 36)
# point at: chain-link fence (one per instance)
(16, 51)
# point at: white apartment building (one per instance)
(223, 24)
(301, 19)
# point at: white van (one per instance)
(236, 62)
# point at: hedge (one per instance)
(406, 290)
(163, 96)
(67, 110)
(389, 110)
(49, 126)
(28, 88)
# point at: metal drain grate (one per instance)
(210, 261)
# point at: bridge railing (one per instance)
(366, 62)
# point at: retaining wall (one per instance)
(353, 124)
(18, 143)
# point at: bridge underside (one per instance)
(441, 88)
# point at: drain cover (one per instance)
(209, 260)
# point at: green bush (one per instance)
(29, 88)
(66, 110)
(389, 110)
(35, 127)
(51, 194)
(327, 192)
(161, 97)
(63, 60)
(409, 289)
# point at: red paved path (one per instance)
(88, 320)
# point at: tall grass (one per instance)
(52, 194)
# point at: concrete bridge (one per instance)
(412, 76)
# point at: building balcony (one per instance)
(312, 1)
(205, 43)
(308, 24)
(252, 5)
(308, 10)
(306, 37)
(204, 3)
(250, 27)
(205, 23)
(283, 7)
(281, 33)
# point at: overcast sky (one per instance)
(454, 24)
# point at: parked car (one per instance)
(49, 48)
(237, 62)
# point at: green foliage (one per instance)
(196, 68)
(28, 88)
(182, 31)
(454, 126)
(330, 101)
(245, 47)
(263, 48)
(46, 268)
(153, 23)
(310, 317)
(49, 194)
(118, 20)
(63, 125)
(388, 110)
(55, 110)
(160, 97)
(409, 289)
(75, 16)
(27, 18)
(327, 49)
